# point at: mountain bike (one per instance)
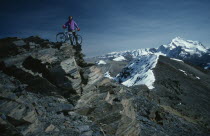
(65, 36)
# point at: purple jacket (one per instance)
(71, 24)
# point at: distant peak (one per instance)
(182, 40)
(187, 46)
(178, 39)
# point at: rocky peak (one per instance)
(40, 83)
(34, 58)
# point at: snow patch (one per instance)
(183, 71)
(101, 62)
(198, 77)
(120, 58)
(107, 74)
(208, 66)
(176, 59)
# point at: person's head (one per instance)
(70, 17)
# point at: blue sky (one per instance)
(109, 25)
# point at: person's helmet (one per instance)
(70, 17)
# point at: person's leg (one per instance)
(70, 37)
(75, 36)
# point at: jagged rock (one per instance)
(7, 129)
(88, 133)
(19, 43)
(58, 66)
(47, 55)
(83, 128)
(29, 113)
(33, 85)
(33, 45)
(7, 47)
(92, 75)
(130, 111)
(50, 128)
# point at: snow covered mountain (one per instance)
(139, 71)
(128, 54)
(141, 62)
(180, 48)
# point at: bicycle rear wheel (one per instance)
(79, 40)
(61, 37)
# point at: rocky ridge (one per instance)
(47, 88)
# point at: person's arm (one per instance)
(66, 24)
(76, 25)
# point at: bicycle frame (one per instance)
(66, 32)
(69, 36)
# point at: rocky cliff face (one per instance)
(47, 88)
(40, 84)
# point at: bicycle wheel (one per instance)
(79, 40)
(61, 37)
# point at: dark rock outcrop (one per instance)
(40, 82)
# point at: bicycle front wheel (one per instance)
(79, 40)
(61, 37)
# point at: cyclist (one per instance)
(72, 26)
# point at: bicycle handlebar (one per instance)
(66, 30)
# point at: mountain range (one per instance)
(138, 64)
